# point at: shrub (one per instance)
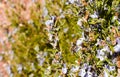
(65, 38)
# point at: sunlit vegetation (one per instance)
(65, 38)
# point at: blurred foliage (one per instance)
(40, 56)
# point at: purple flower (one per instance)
(64, 70)
(117, 48)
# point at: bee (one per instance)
(114, 34)
(86, 15)
(84, 3)
(118, 62)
